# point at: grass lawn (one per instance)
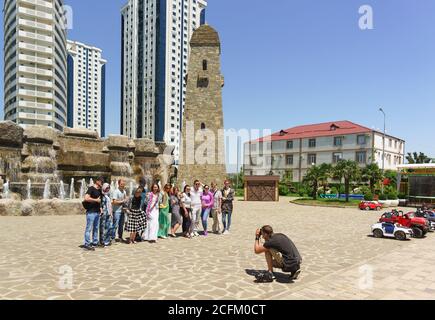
(327, 202)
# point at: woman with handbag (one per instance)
(152, 214)
(165, 214)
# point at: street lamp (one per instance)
(383, 148)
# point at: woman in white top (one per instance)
(152, 214)
(186, 212)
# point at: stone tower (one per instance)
(202, 144)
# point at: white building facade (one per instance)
(86, 87)
(295, 150)
(35, 63)
(155, 53)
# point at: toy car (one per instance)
(429, 216)
(391, 230)
(370, 205)
(420, 226)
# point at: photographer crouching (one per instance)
(280, 252)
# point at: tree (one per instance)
(327, 173)
(349, 171)
(417, 158)
(373, 174)
(312, 178)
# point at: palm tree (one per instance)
(349, 171)
(313, 177)
(417, 158)
(327, 171)
(373, 174)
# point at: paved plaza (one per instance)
(38, 255)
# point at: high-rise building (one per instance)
(35, 63)
(155, 53)
(86, 87)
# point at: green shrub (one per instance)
(283, 190)
(334, 190)
(240, 193)
(402, 196)
(383, 197)
(392, 196)
(368, 196)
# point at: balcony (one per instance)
(39, 3)
(34, 116)
(34, 82)
(42, 72)
(37, 94)
(35, 36)
(34, 59)
(35, 13)
(32, 47)
(42, 106)
(36, 25)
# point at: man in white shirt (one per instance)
(119, 200)
(195, 195)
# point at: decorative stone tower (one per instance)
(202, 144)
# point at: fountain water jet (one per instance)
(71, 190)
(47, 193)
(131, 188)
(5, 194)
(82, 189)
(62, 191)
(91, 182)
(29, 189)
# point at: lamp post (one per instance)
(383, 147)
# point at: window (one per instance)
(202, 82)
(289, 144)
(289, 160)
(202, 126)
(312, 159)
(337, 157)
(362, 139)
(312, 143)
(204, 65)
(361, 157)
(338, 141)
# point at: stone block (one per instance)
(11, 135)
(40, 134)
(80, 133)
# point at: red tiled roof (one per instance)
(316, 131)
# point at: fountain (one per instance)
(183, 186)
(35, 162)
(47, 193)
(29, 189)
(82, 189)
(112, 188)
(91, 182)
(61, 191)
(71, 190)
(5, 194)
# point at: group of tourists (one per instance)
(149, 215)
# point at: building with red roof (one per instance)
(295, 149)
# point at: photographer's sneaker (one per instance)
(295, 275)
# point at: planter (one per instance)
(385, 203)
(394, 203)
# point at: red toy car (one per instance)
(419, 226)
(370, 205)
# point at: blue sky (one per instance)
(292, 62)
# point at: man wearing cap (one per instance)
(93, 211)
